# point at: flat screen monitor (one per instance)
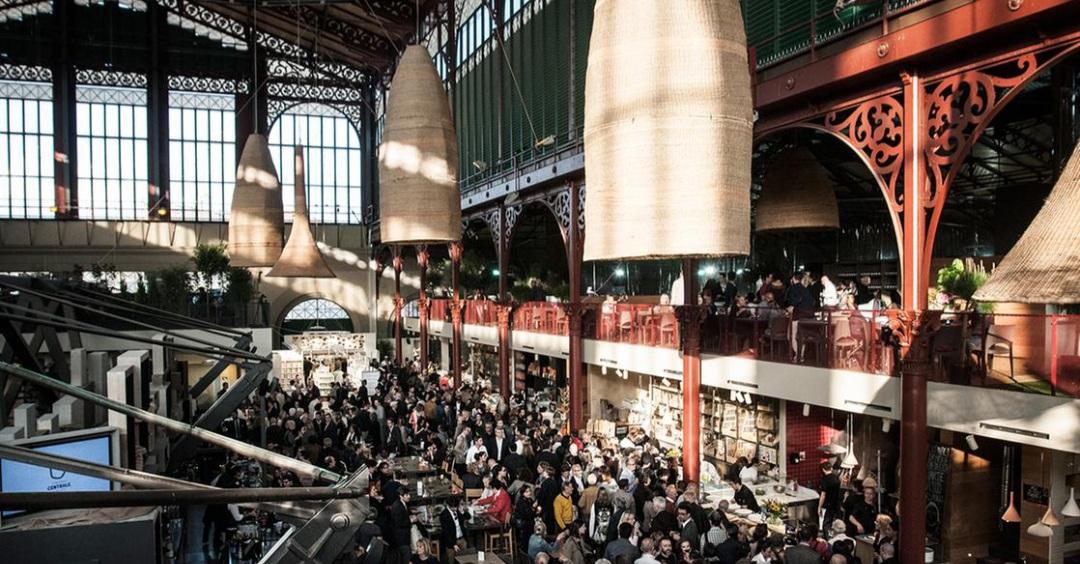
(98, 446)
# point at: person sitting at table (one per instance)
(538, 542)
(497, 504)
(423, 554)
(744, 496)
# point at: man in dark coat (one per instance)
(401, 526)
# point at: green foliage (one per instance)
(169, 288)
(960, 280)
(240, 285)
(211, 262)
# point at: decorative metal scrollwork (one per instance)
(30, 73)
(494, 221)
(209, 84)
(876, 128)
(303, 91)
(581, 208)
(558, 203)
(956, 109)
(276, 107)
(512, 214)
(106, 77)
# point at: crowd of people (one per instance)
(566, 496)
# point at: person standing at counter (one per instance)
(744, 496)
(829, 504)
(863, 514)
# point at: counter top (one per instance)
(805, 495)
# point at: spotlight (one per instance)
(545, 142)
(495, 272)
(603, 370)
(971, 442)
(162, 212)
(886, 425)
(620, 272)
(806, 410)
(480, 165)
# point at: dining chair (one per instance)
(778, 331)
(626, 323)
(667, 329)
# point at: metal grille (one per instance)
(332, 153)
(202, 155)
(26, 150)
(112, 146)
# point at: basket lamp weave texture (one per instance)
(1042, 267)
(301, 257)
(797, 195)
(419, 200)
(256, 216)
(668, 130)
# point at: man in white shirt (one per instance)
(475, 450)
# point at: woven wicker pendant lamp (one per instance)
(419, 201)
(668, 129)
(797, 195)
(256, 217)
(301, 257)
(1041, 268)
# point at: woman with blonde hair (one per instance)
(423, 554)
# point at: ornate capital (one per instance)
(503, 312)
(422, 256)
(690, 319)
(456, 249)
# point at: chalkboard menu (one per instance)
(937, 476)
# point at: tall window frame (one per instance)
(202, 155)
(112, 143)
(333, 156)
(27, 172)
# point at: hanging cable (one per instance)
(513, 76)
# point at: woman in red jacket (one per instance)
(497, 505)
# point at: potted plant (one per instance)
(957, 283)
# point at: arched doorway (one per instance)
(316, 314)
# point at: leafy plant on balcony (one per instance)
(958, 282)
(169, 288)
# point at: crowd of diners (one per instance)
(564, 495)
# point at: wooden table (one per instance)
(410, 466)
(489, 558)
(436, 490)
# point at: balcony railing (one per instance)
(636, 324)
(541, 317)
(480, 312)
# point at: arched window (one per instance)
(317, 314)
(332, 155)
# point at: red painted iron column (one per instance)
(397, 305)
(913, 431)
(455, 310)
(574, 311)
(422, 260)
(690, 318)
(503, 307)
(502, 311)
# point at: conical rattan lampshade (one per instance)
(419, 201)
(797, 195)
(668, 130)
(1041, 268)
(301, 257)
(1011, 515)
(256, 218)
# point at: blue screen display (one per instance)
(20, 477)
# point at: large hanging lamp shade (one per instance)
(668, 130)
(419, 201)
(1041, 268)
(301, 257)
(256, 218)
(797, 195)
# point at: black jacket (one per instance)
(400, 525)
(448, 535)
